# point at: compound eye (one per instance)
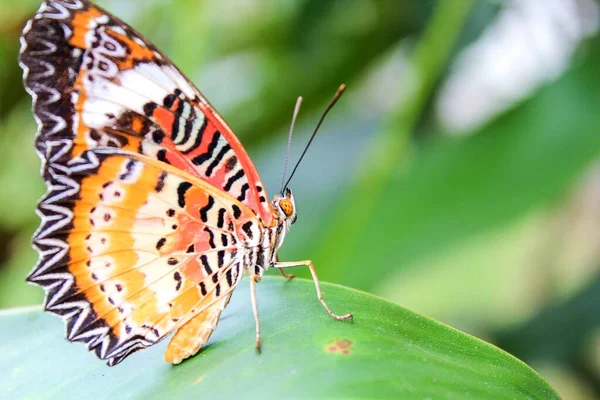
(287, 207)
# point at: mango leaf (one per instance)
(387, 352)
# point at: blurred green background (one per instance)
(459, 175)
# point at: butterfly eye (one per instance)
(287, 207)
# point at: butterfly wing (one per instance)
(98, 83)
(188, 339)
(149, 192)
(137, 249)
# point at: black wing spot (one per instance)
(149, 108)
(198, 138)
(128, 170)
(161, 242)
(236, 211)
(160, 184)
(238, 175)
(221, 219)
(221, 258)
(204, 210)
(205, 264)
(172, 261)
(242, 195)
(247, 228)
(215, 163)
(181, 189)
(215, 277)
(177, 277)
(169, 100)
(229, 277)
(203, 289)
(211, 148)
(211, 239)
(170, 212)
(190, 249)
(231, 163)
(158, 136)
(175, 127)
(187, 130)
(161, 155)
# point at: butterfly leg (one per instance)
(289, 277)
(313, 272)
(253, 280)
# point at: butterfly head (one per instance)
(285, 206)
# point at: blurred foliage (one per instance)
(492, 231)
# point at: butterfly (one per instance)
(154, 211)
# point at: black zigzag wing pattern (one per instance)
(50, 68)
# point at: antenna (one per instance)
(336, 97)
(289, 143)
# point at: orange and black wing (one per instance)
(96, 82)
(149, 191)
(143, 251)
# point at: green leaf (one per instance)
(391, 353)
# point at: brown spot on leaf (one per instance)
(343, 346)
